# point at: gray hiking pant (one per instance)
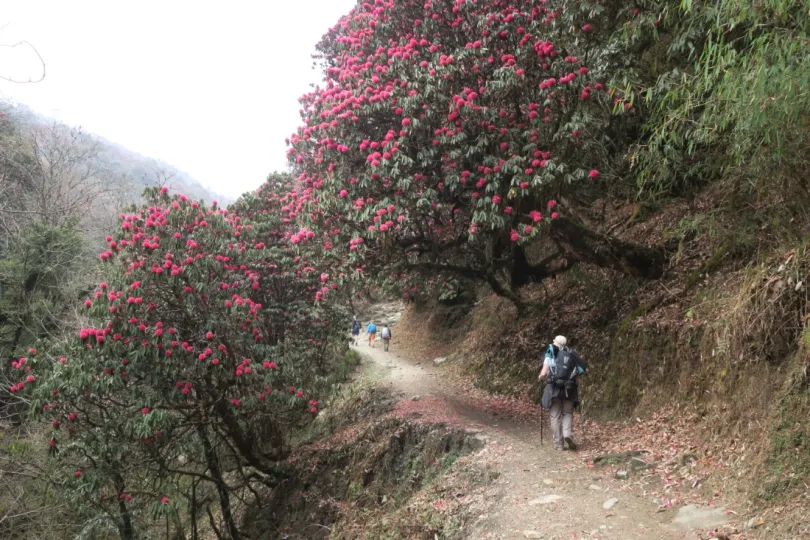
(562, 420)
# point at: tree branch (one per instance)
(39, 56)
(585, 245)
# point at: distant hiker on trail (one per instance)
(355, 329)
(372, 333)
(561, 367)
(386, 336)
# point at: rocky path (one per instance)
(540, 492)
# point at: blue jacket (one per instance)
(372, 329)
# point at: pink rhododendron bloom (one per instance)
(514, 236)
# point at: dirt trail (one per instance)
(540, 492)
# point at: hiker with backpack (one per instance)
(355, 329)
(561, 370)
(372, 333)
(386, 336)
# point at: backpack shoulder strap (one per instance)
(554, 357)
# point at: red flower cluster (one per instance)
(249, 281)
(443, 133)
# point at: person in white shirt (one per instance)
(386, 336)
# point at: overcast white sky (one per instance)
(210, 87)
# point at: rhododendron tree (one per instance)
(446, 129)
(204, 348)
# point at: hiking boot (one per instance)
(570, 442)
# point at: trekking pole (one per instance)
(542, 415)
(542, 423)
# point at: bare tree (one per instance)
(160, 177)
(52, 174)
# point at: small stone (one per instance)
(548, 481)
(754, 523)
(416, 398)
(439, 361)
(610, 503)
(621, 475)
(532, 534)
(548, 499)
(595, 487)
(695, 517)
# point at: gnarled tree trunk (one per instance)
(582, 244)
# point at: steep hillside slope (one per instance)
(130, 167)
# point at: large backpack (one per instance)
(564, 369)
(386, 333)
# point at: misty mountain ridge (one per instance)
(140, 170)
